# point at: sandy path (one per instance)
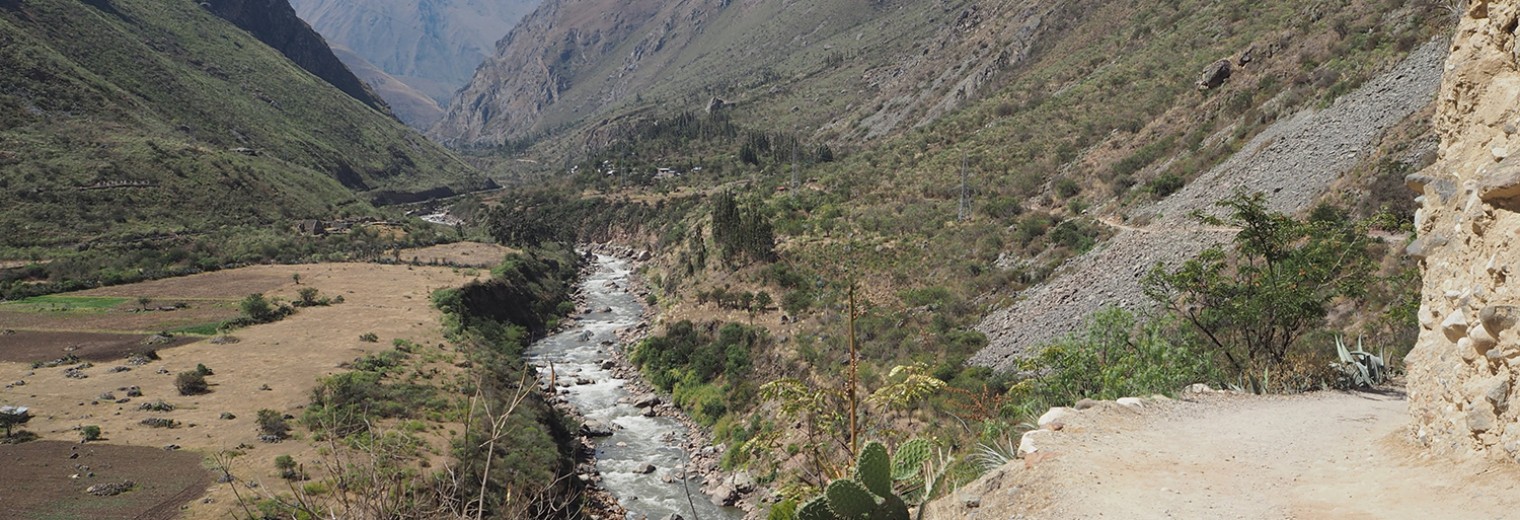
(1325, 455)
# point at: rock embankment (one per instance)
(1463, 370)
(1293, 162)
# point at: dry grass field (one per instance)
(273, 366)
(470, 254)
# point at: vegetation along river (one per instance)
(579, 354)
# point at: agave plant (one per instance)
(1361, 368)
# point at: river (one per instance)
(578, 353)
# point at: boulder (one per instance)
(1058, 414)
(596, 428)
(1214, 75)
(1133, 403)
(644, 469)
(647, 401)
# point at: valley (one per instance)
(782, 260)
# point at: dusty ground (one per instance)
(24, 347)
(1324, 455)
(271, 366)
(471, 254)
(41, 480)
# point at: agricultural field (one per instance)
(41, 481)
(465, 254)
(271, 366)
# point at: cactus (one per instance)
(869, 494)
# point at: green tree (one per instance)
(1253, 304)
(12, 417)
(257, 308)
(763, 301)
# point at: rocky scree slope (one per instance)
(1293, 162)
(135, 118)
(1463, 370)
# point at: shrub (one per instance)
(203, 370)
(257, 308)
(273, 424)
(287, 467)
(90, 432)
(369, 337)
(191, 383)
(1113, 358)
(160, 422)
(308, 296)
(155, 406)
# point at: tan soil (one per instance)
(288, 356)
(1323, 455)
(471, 254)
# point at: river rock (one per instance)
(743, 482)
(644, 469)
(609, 364)
(647, 401)
(596, 428)
(726, 496)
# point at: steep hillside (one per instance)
(275, 23)
(125, 119)
(412, 106)
(433, 46)
(862, 69)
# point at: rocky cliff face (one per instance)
(1462, 372)
(861, 69)
(275, 23)
(432, 46)
(537, 62)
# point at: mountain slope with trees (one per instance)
(126, 119)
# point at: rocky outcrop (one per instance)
(275, 23)
(1462, 372)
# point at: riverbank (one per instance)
(638, 447)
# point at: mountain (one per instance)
(888, 65)
(409, 104)
(275, 23)
(122, 119)
(433, 46)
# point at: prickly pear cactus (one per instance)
(869, 495)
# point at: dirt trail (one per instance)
(1324, 455)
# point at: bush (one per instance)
(308, 296)
(191, 383)
(287, 467)
(369, 337)
(1113, 358)
(203, 370)
(272, 423)
(90, 432)
(159, 422)
(257, 308)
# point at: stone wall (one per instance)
(1462, 370)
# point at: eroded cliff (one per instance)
(1462, 371)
